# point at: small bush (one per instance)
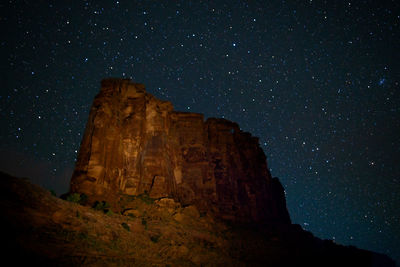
(146, 198)
(126, 227)
(144, 222)
(101, 205)
(74, 198)
(109, 212)
(53, 193)
(84, 199)
(77, 198)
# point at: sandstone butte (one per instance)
(137, 144)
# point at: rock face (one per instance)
(135, 143)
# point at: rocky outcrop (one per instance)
(42, 230)
(135, 143)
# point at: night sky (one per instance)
(316, 81)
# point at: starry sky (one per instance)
(316, 81)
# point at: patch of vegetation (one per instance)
(146, 198)
(126, 227)
(109, 212)
(74, 198)
(84, 199)
(102, 206)
(53, 193)
(77, 198)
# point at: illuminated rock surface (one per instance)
(135, 143)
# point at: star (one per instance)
(299, 75)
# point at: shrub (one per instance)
(146, 198)
(109, 212)
(84, 199)
(53, 193)
(126, 226)
(75, 198)
(101, 205)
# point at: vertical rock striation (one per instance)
(135, 143)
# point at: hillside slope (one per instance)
(42, 229)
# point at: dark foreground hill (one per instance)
(39, 228)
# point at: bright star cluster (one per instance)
(316, 81)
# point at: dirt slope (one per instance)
(39, 228)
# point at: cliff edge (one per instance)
(137, 144)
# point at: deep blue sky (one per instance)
(316, 81)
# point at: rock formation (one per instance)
(135, 143)
(40, 229)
